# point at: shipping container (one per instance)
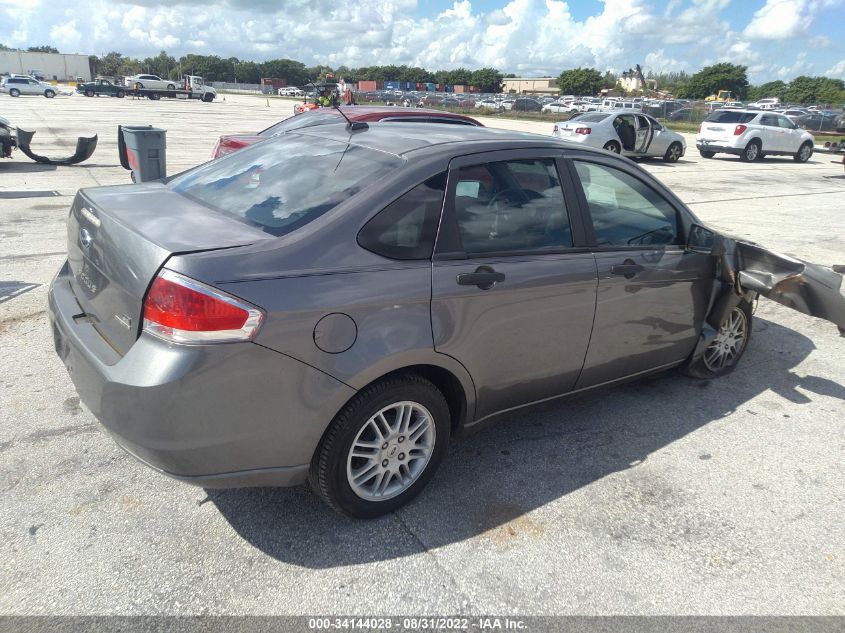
(430, 87)
(367, 85)
(458, 88)
(391, 85)
(274, 82)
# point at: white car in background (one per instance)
(766, 104)
(752, 134)
(628, 133)
(558, 106)
(151, 82)
(18, 85)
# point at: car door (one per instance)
(652, 293)
(513, 295)
(773, 136)
(645, 133)
(791, 134)
(31, 87)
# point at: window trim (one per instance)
(449, 246)
(685, 218)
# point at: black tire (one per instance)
(706, 154)
(120, 94)
(14, 92)
(49, 93)
(154, 96)
(804, 152)
(208, 97)
(702, 369)
(752, 152)
(613, 146)
(673, 153)
(171, 87)
(328, 472)
(89, 93)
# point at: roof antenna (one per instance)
(351, 125)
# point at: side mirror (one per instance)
(701, 240)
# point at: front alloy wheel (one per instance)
(673, 153)
(724, 351)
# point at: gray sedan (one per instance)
(334, 304)
(628, 134)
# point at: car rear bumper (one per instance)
(705, 146)
(224, 415)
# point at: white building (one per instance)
(54, 66)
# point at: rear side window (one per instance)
(513, 206)
(730, 116)
(280, 188)
(591, 118)
(307, 119)
(407, 227)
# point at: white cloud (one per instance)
(837, 71)
(782, 19)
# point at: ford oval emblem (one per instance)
(85, 238)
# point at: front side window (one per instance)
(769, 119)
(786, 123)
(407, 227)
(511, 206)
(624, 210)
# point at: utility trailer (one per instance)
(191, 87)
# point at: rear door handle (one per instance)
(626, 270)
(484, 277)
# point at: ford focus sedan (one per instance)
(336, 303)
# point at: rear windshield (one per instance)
(282, 185)
(300, 121)
(730, 116)
(590, 118)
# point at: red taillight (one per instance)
(739, 129)
(228, 144)
(182, 310)
(583, 130)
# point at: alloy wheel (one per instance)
(391, 451)
(751, 152)
(804, 153)
(674, 153)
(729, 343)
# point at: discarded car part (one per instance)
(85, 146)
(8, 138)
(142, 149)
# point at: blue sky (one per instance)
(776, 39)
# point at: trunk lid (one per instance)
(119, 238)
(722, 132)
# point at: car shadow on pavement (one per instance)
(24, 168)
(490, 480)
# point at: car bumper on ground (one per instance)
(219, 416)
(709, 146)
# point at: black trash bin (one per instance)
(142, 149)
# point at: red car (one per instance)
(368, 114)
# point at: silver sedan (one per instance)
(628, 134)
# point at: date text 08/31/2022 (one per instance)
(418, 624)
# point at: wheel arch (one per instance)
(449, 376)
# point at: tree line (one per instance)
(707, 81)
(576, 81)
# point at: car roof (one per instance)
(407, 139)
(377, 113)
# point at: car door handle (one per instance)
(626, 270)
(484, 277)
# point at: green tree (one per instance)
(580, 81)
(769, 89)
(808, 90)
(3, 47)
(609, 80)
(487, 79)
(721, 76)
(42, 49)
(163, 65)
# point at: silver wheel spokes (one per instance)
(390, 451)
(805, 152)
(674, 153)
(752, 151)
(729, 342)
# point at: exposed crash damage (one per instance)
(85, 146)
(12, 138)
(748, 270)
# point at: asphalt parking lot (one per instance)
(664, 496)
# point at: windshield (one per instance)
(730, 116)
(299, 121)
(281, 186)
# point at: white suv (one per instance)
(751, 134)
(18, 85)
